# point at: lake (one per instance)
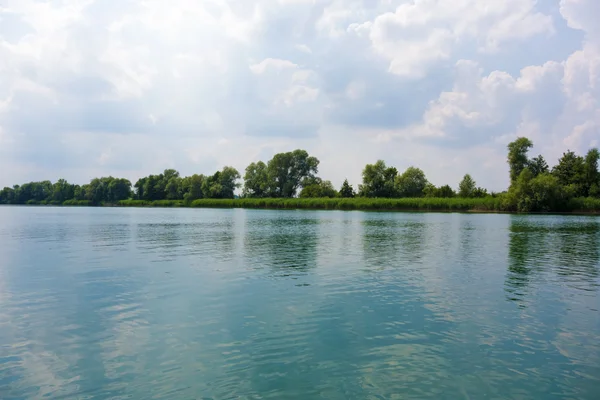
(114, 303)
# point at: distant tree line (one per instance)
(534, 186)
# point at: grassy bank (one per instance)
(486, 204)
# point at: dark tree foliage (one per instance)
(98, 191)
(191, 187)
(316, 187)
(256, 180)
(537, 189)
(378, 180)
(411, 183)
(442, 192)
(347, 191)
(591, 175)
(286, 171)
(570, 171)
(538, 165)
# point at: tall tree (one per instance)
(229, 182)
(153, 189)
(256, 180)
(591, 173)
(570, 172)
(118, 189)
(411, 183)
(346, 190)
(173, 189)
(286, 171)
(192, 187)
(378, 180)
(7, 196)
(466, 187)
(139, 189)
(538, 165)
(211, 186)
(221, 185)
(517, 157)
(62, 190)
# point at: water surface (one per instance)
(110, 303)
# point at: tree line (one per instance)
(534, 186)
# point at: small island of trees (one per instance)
(289, 180)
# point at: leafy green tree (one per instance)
(7, 196)
(480, 192)
(378, 180)
(538, 165)
(316, 187)
(517, 157)
(192, 187)
(228, 181)
(430, 190)
(443, 191)
(347, 190)
(174, 189)
(591, 173)
(570, 171)
(169, 176)
(139, 189)
(446, 191)
(520, 192)
(256, 180)
(537, 193)
(411, 183)
(118, 189)
(153, 189)
(466, 187)
(286, 171)
(33, 192)
(79, 192)
(221, 185)
(547, 193)
(95, 191)
(211, 187)
(62, 191)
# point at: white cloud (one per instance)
(128, 88)
(420, 32)
(304, 48)
(582, 15)
(271, 63)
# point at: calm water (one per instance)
(220, 304)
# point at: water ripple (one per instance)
(224, 304)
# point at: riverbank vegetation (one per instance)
(289, 181)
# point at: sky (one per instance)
(131, 87)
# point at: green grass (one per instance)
(74, 202)
(421, 204)
(486, 204)
(145, 203)
(497, 203)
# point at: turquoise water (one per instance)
(108, 303)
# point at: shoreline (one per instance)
(487, 205)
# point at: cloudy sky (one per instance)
(131, 87)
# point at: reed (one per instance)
(456, 204)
